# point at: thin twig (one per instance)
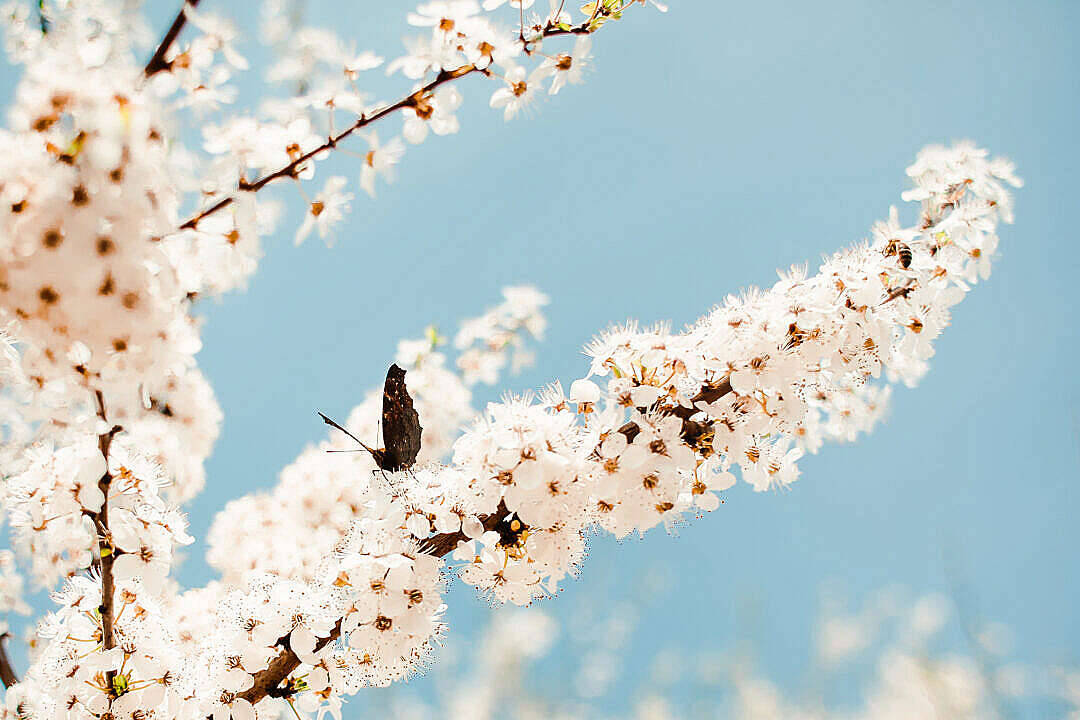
(158, 63)
(106, 551)
(294, 167)
(412, 100)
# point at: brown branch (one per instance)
(709, 393)
(7, 670)
(443, 544)
(158, 63)
(417, 98)
(106, 551)
(266, 681)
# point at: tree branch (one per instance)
(708, 394)
(158, 63)
(7, 670)
(106, 551)
(294, 167)
(266, 681)
(414, 99)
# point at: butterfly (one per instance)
(400, 425)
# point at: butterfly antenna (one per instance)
(333, 424)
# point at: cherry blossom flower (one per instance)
(380, 160)
(436, 113)
(326, 210)
(568, 67)
(517, 92)
(444, 15)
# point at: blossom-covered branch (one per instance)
(754, 384)
(418, 100)
(459, 35)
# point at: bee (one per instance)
(512, 536)
(902, 252)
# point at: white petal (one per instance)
(584, 390)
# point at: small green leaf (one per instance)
(432, 334)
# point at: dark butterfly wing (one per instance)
(400, 424)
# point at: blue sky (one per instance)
(710, 146)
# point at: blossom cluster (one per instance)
(95, 285)
(85, 663)
(751, 385)
(51, 508)
(484, 341)
(87, 195)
